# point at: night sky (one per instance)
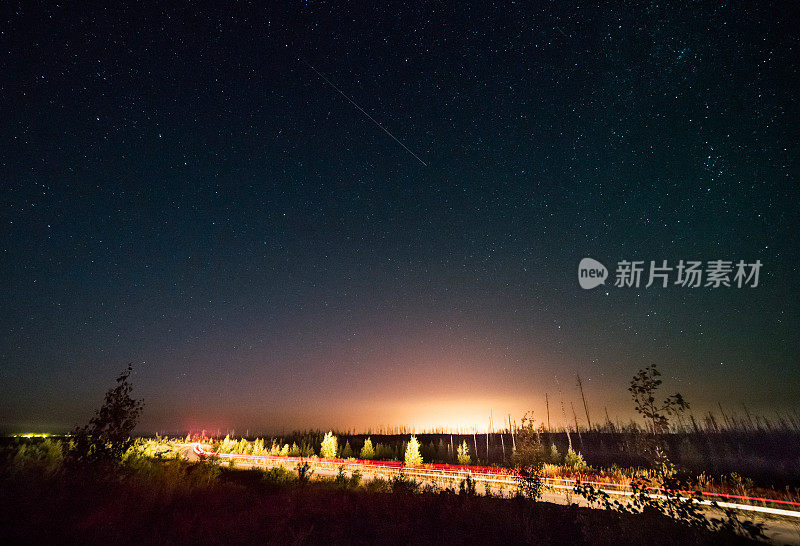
(182, 189)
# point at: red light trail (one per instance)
(494, 472)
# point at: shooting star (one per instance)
(351, 101)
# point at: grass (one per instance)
(151, 500)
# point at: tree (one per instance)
(347, 451)
(555, 456)
(227, 445)
(108, 435)
(643, 389)
(463, 454)
(367, 452)
(644, 386)
(574, 460)
(528, 459)
(413, 456)
(329, 446)
(307, 450)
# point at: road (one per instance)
(782, 525)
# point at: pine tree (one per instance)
(413, 456)
(347, 451)
(228, 445)
(555, 456)
(367, 452)
(307, 450)
(463, 454)
(329, 446)
(574, 460)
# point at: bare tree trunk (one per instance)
(547, 405)
(513, 440)
(585, 407)
(575, 416)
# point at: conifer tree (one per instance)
(413, 456)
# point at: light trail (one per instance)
(497, 476)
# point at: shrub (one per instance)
(355, 478)
(574, 461)
(46, 457)
(378, 485)
(402, 484)
(304, 472)
(467, 487)
(347, 482)
(278, 476)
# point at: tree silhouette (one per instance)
(108, 435)
(644, 386)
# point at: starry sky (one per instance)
(184, 190)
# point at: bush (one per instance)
(347, 482)
(45, 457)
(402, 484)
(278, 476)
(378, 485)
(574, 461)
(467, 487)
(304, 472)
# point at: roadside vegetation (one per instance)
(101, 485)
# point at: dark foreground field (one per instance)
(181, 503)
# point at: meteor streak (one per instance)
(321, 75)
